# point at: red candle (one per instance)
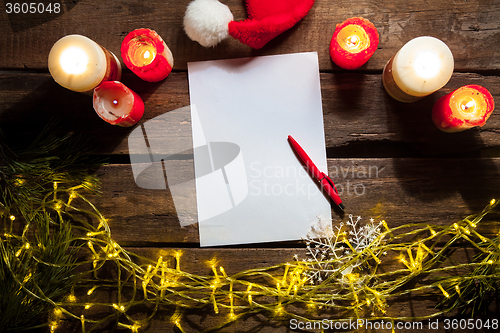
(464, 108)
(117, 104)
(145, 53)
(353, 43)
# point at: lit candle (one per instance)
(419, 68)
(464, 108)
(353, 43)
(117, 104)
(80, 64)
(145, 53)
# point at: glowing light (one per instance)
(12, 217)
(135, 327)
(90, 291)
(468, 105)
(222, 271)
(445, 293)
(427, 65)
(279, 310)
(144, 54)
(472, 224)
(178, 255)
(88, 306)
(74, 60)
(216, 308)
(58, 206)
(403, 260)
(353, 40)
(492, 202)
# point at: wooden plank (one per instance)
(361, 120)
(470, 28)
(401, 191)
(234, 261)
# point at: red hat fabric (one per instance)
(267, 19)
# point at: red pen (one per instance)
(325, 181)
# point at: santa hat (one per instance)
(208, 21)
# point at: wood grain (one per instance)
(387, 158)
(238, 260)
(360, 119)
(401, 191)
(470, 28)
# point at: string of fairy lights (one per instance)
(340, 274)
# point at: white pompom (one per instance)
(206, 21)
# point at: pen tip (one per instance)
(341, 206)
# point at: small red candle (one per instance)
(145, 53)
(464, 108)
(117, 104)
(353, 43)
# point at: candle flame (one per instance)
(74, 60)
(468, 105)
(427, 64)
(353, 40)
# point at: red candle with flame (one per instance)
(117, 104)
(464, 108)
(145, 53)
(353, 43)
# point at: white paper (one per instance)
(250, 186)
(161, 152)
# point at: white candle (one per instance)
(80, 64)
(419, 68)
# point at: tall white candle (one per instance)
(80, 64)
(419, 68)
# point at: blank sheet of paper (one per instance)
(250, 186)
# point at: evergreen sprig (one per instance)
(37, 246)
(47, 221)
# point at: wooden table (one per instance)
(423, 174)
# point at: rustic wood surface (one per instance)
(423, 175)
